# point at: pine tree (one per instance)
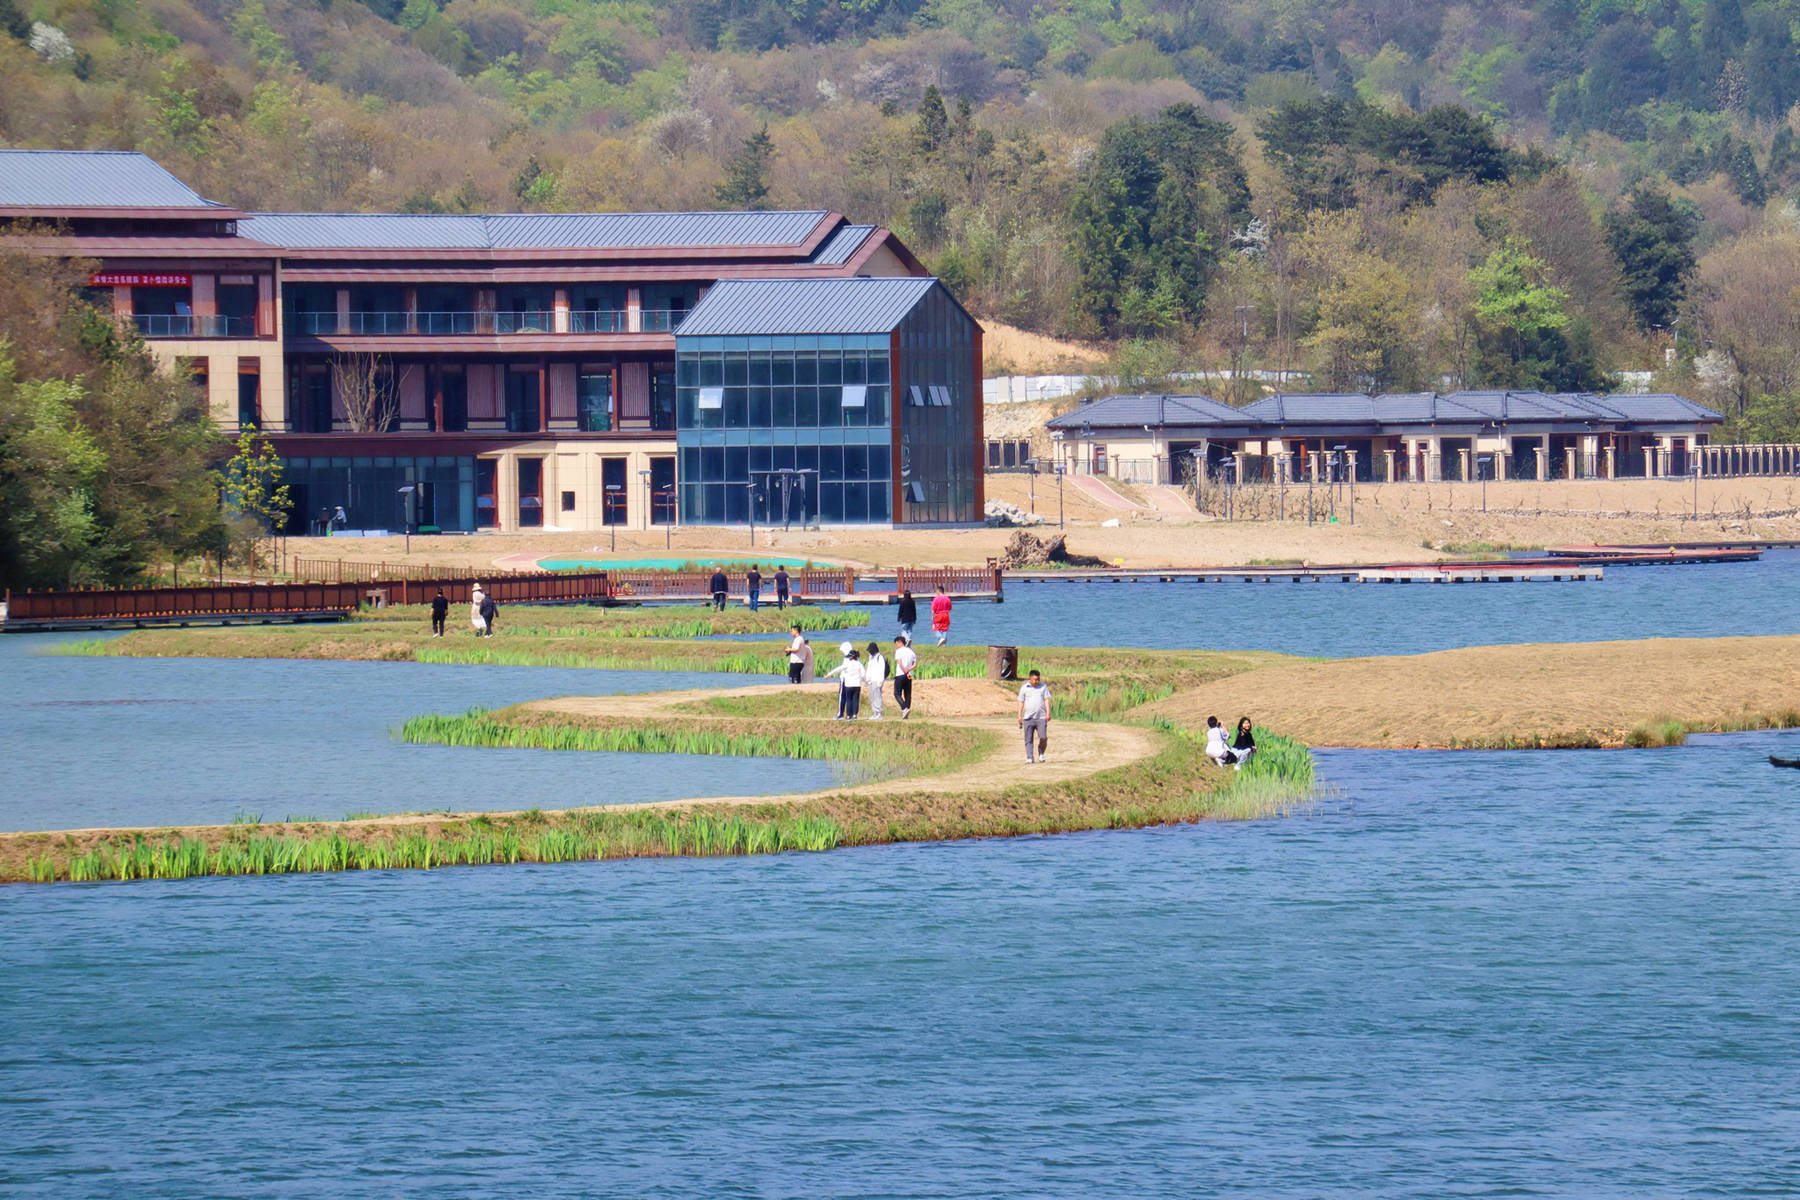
(746, 183)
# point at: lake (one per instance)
(1545, 973)
(88, 742)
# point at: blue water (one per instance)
(1344, 620)
(1552, 973)
(90, 742)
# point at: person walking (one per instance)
(908, 614)
(1034, 716)
(781, 587)
(850, 682)
(489, 610)
(940, 616)
(719, 586)
(477, 598)
(753, 586)
(875, 672)
(440, 611)
(906, 661)
(796, 652)
(809, 666)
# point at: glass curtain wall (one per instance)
(816, 407)
(369, 490)
(936, 394)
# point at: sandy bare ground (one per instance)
(1076, 748)
(1561, 694)
(1394, 523)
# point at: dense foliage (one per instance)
(1224, 184)
(104, 460)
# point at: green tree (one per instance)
(1152, 210)
(49, 466)
(252, 488)
(1653, 239)
(934, 121)
(1525, 335)
(746, 183)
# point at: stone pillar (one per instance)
(1387, 465)
(1649, 462)
(1467, 460)
(1350, 463)
(1237, 469)
(1612, 461)
(1543, 462)
(559, 311)
(1434, 460)
(1569, 462)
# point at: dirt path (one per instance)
(1562, 694)
(1076, 747)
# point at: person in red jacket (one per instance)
(940, 616)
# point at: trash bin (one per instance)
(1003, 662)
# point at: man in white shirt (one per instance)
(906, 661)
(1034, 716)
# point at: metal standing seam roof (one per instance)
(1153, 409)
(525, 231)
(805, 306)
(841, 246)
(1392, 408)
(91, 179)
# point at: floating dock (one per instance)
(1515, 571)
(1660, 556)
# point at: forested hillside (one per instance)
(1387, 194)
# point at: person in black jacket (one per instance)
(489, 610)
(1244, 745)
(781, 587)
(753, 587)
(440, 609)
(908, 615)
(719, 587)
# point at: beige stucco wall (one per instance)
(577, 467)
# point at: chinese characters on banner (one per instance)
(138, 279)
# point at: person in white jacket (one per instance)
(850, 683)
(797, 654)
(875, 673)
(475, 617)
(1217, 748)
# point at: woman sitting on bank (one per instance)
(1244, 745)
(1229, 754)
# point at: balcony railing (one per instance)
(450, 324)
(598, 320)
(187, 325)
(542, 321)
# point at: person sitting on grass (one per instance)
(1034, 716)
(850, 683)
(1244, 745)
(1216, 747)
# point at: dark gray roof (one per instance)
(1155, 410)
(1301, 409)
(91, 179)
(841, 246)
(1320, 408)
(801, 306)
(530, 231)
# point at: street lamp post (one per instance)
(1229, 466)
(610, 510)
(406, 513)
(750, 509)
(1059, 498)
(1031, 465)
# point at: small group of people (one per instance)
(908, 615)
(858, 670)
(1235, 752)
(720, 586)
(330, 519)
(482, 611)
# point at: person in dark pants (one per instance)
(753, 586)
(489, 610)
(719, 586)
(781, 587)
(440, 609)
(908, 615)
(906, 661)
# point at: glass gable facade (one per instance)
(817, 408)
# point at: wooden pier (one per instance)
(1516, 571)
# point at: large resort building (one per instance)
(1414, 436)
(523, 371)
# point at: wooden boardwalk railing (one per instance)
(337, 570)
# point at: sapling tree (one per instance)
(254, 492)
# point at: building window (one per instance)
(593, 396)
(662, 396)
(249, 411)
(856, 395)
(522, 402)
(456, 400)
(616, 501)
(487, 507)
(531, 493)
(568, 501)
(712, 397)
